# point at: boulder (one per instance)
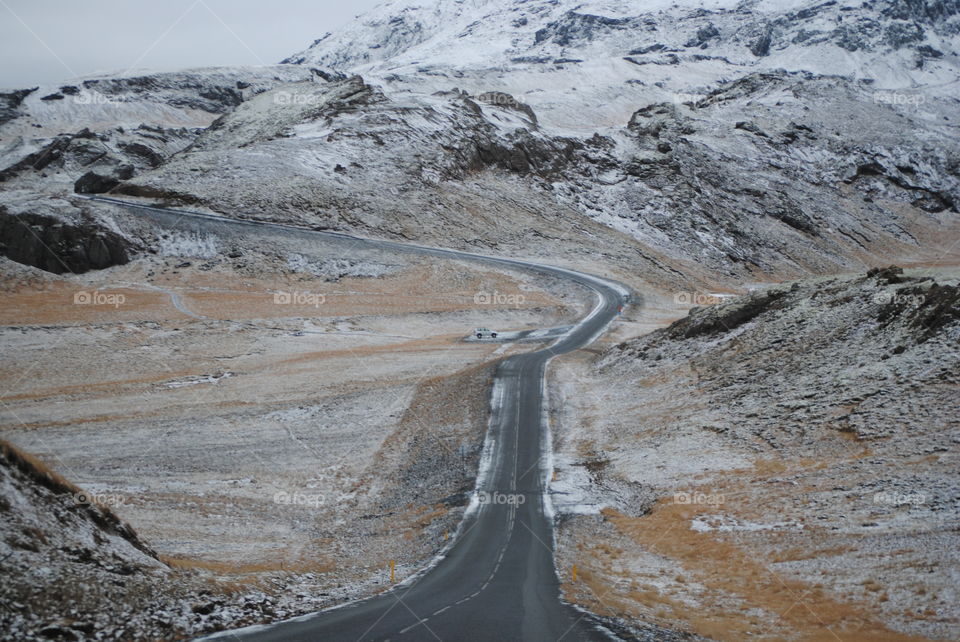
(99, 181)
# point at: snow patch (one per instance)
(188, 244)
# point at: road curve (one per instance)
(496, 580)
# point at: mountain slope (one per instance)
(794, 447)
(638, 130)
(607, 55)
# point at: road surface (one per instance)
(497, 580)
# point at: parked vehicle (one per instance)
(485, 333)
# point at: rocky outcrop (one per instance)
(575, 27)
(115, 153)
(151, 157)
(56, 244)
(192, 93)
(501, 99)
(98, 182)
(10, 101)
(73, 570)
(524, 153)
(51, 153)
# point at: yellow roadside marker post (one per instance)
(392, 565)
(574, 572)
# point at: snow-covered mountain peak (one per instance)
(607, 56)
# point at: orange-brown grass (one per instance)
(232, 296)
(55, 306)
(109, 386)
(422, 517)
(796, 609)
(413, 345)
(459, 398)
(36, 469)
(38, 472)
(278, 564)
(33, 425)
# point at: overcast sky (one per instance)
(48, 41)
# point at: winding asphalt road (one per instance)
(496, 580)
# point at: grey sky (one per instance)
(47, 41)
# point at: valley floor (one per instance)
(277, 455)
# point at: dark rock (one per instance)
(58, 632)
(500, 99)
(576, 27)
(750, 127)
(899, 35)
(725, 317)
(203, 608)
(10, 101)
(97, 182)
(150, 156)
(532, 59)
(524, 153)
(328, 75)
(761, 46)
(58, 246)
(200, 95)
(924, 11)
(53, 154)
(703, 36)
(650, 49)
(54, 96)
(929, 52)
(887, 276)
(788, 212)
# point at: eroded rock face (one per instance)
(53, 244)
(10, 101)
(98, 182)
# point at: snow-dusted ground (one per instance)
(796, 448)
(278, 445)
(662, 145)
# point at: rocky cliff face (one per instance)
(60, 238)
